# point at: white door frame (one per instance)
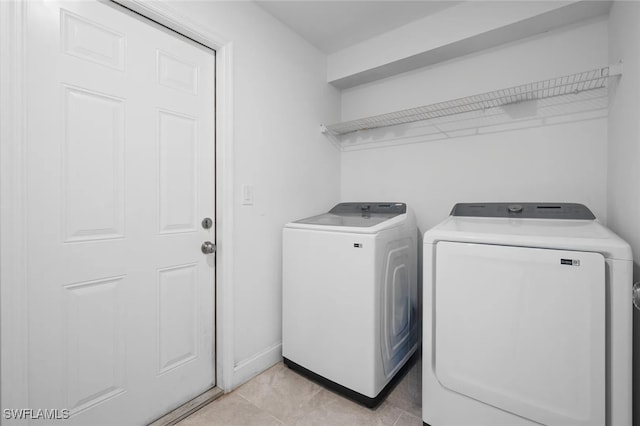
(13, 248)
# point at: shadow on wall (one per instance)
(581, 106)
(636, 367)
(419, 285)
(636, 355)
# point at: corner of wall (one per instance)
(623, 184)
(246, 369)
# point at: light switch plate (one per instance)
(247, 195)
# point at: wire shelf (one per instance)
(565, 85)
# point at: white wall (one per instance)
(280, 97)
(623, 183)
(460, 29)
(560, 162)
(624, 126)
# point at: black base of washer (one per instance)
(349, 393)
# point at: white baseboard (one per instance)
(248, 368)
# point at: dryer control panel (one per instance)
(524, 210)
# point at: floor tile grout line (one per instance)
(397, 419)
(408, 414)
(317, 391)
(261, 409)
(282, 421)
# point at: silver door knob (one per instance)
(208, 247)
(636, 295)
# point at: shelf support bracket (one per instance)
(615, 69)
(331, 136)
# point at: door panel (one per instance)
(177, 321)
(120, 172)
(173, 72)
(92, 168)
(95, 355)
(523, 329)
(178, 172)
(92, 41)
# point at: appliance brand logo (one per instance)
(357, 245)
(570, 262)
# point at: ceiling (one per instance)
(334, 25)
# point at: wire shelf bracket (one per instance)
(559, 86)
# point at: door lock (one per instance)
(207, 223)
(208, 247)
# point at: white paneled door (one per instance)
(120, 175)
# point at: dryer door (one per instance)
(523, 329)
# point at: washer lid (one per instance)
(356, 215)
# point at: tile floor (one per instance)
(280, 396)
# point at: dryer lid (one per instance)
(357, 215)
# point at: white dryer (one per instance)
(527, 318)
(350, 308)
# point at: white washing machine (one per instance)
(350, 308)
(527, 318)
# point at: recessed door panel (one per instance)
(177, 73)
(523, 329)
(177, 319)
(95, 342)
(91, 41)
(178, 172)
(93, 165)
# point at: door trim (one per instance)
(13, 248)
